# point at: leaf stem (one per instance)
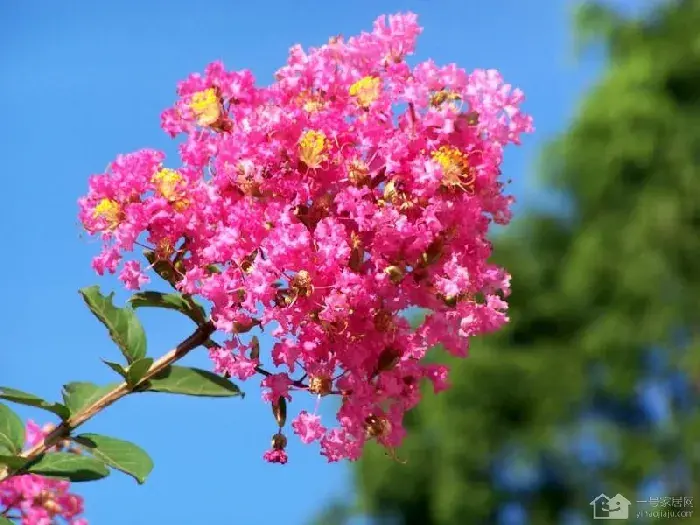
(199, 337)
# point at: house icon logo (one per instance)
(615, 508)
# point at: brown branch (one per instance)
(199, 337)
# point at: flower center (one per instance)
(365, 91)
(206, 107)
(169, 184)
(312, 148)
(110, 211)
(456, 171)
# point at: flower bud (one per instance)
(282, 299)
(388, 359)
(244, 326)
(433, 253)
(303, 213)
(320, 385)
(358, 173)
(450, 300)
(301, 284)
(211, 269)
(357, 254)
(247, 262)
(395, 273)
(376, 427)
(279, 410)
(279, 441)
(255, 348)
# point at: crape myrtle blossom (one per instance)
(36, 500)
(320, 207)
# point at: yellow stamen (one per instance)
(206, 107)
(312, 148)
(165, 248)
(366, 91)
(169, 184)
(110, 211)
(456, 171)
(167, 181)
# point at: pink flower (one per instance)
(278, 385)
(38, 500)
(308, 427)
(34, 433)
(132, 276)
(318, 209)
(275, 456)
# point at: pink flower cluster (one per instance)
(319, 209)
(36, 500)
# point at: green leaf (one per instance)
(79, 395)
(5, 521)
(172, 301)
(118, 454)
(119, 369)
(72, 467)
(24, 398)
(163, 268)
(192, 382)
(138, 369)
(11, 430)
(14, 462)
(123, 324)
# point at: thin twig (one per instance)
(299, 383)
(199, 337)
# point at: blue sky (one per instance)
(84, 81)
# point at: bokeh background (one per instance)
(593, 386)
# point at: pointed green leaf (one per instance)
(72, 467)
(192, 382)
(11, 430)
(79, 395)
(24, 398)
(172, 301)
(123, 324)
(138, 369)
(118, 454)
(14, 462)
(5, 521)
(119, 369)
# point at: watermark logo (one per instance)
(615, 508)
(666, 507)
(618, 508)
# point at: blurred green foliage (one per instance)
(593, 292)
